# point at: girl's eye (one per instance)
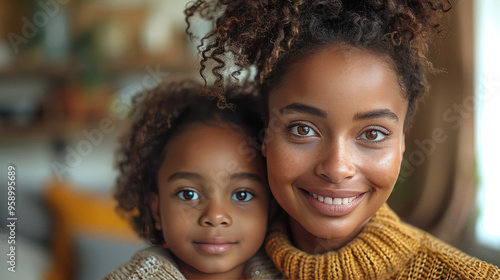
(373, 135)
(302, 130)
(242, 196)
(188, 195)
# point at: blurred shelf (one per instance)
(58, 129)
(189, 65)
(38, 71)
(104, 48)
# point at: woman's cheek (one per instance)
(284, 163)
(381, 167)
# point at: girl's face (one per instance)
(334, 144)
(213, 200)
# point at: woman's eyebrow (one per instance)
(302, 108)
(383, 113)
(246, 175)
(184, 175)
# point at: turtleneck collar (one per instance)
(381, 249)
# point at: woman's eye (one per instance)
(242, 196)
(373, 135)
(188, 195)
(302, 130)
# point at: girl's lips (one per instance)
(333, 206)
(214, 248)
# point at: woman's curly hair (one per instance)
(163, 112)
(270, 35)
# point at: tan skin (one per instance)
(336, 144)
(213, 202)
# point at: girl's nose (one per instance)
(336, 163)
(215, 215)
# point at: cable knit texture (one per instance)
(385, 249)
(158, 263)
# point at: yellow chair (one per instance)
(75, 212)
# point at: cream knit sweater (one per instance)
(158, 263)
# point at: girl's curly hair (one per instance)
(270, 35)
(156, 117)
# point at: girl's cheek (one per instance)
(175, 211)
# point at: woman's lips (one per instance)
(214, 247)
(334, 204)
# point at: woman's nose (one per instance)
(336, 163)
(215, 215)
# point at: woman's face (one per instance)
(213, 201)
(334, 144)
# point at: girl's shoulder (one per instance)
(148, 263)
(260, 266)
(159, 263)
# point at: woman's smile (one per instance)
(332, 203)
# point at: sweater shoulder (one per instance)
(148, 263)
(447, 261)
(260, 266)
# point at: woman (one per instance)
(341, 81)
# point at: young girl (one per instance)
(341, 80)
(193, 177)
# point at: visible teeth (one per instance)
(333, 200)
(328, 200)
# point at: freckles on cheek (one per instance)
(282, 164)
(383, 169)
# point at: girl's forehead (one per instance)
(200, 138)
(211, 150)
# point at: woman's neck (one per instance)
(191, 273)
(311, 244)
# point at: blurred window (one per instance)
(487, 85)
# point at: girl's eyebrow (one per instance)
(302, 108)
(246, 175)
(196, 176)
(383, 113)
(184, 175)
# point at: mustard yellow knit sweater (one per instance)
(385, 249)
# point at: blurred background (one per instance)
(68, 69)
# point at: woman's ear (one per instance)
(155, 210)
